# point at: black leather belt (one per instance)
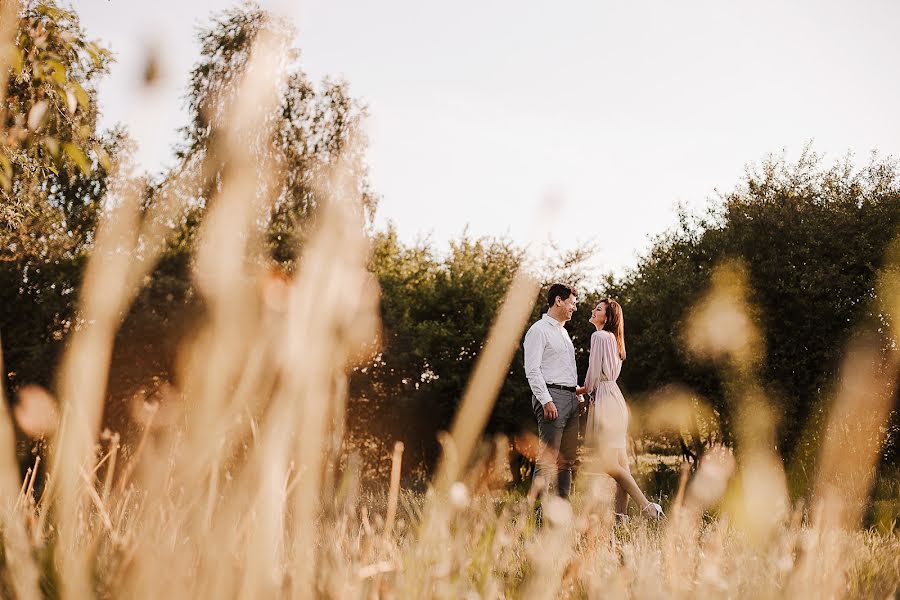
(565, 388)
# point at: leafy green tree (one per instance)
(53, 162)
(54, 168)
(313, 126)
(813, 239)
(437, 313)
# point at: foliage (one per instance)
(53, 202)
(312, 127)
(53, 161)
(436, 314)
(813, 239)
(54, 170)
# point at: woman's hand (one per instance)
(582, 405)
(580, 390)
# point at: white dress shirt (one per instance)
(549, 357)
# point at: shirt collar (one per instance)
(551, 320)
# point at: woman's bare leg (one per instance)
(623, 477)
(621, 495)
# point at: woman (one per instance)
(607, 423)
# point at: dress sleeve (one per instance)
(595, 369)
(611, 364)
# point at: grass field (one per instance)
(480, 541)
(229, 487)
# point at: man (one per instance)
(552, 376)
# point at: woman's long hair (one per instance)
(615, 323)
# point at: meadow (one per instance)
(232, 487)
(233, 478)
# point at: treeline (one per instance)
(813, 239)
(812, 236)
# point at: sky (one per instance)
(619, 110)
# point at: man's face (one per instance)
(568, 306)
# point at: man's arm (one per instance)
(534, 353)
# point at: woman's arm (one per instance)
(594, 365)
(608, 361)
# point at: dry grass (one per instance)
(231, 490)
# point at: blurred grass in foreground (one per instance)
(232, 490)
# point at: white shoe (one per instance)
(654, 511)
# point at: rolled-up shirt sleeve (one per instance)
(534, 353)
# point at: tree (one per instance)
(437, 313)
(813, 239)
(54, 162)
(312, 127)
(54, 169)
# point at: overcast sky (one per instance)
(624, 108)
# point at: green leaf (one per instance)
(96, 53)
(103, 157)
(57, 71)
(16, 60)
(60, 92)
(5, 166)
(78, 157)
(50, 11)
(84, 99)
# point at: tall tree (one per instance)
(313, 126)
(54, 168)
(54, 161)
(813, 238)
(437, 312)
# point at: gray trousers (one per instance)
(559, 442)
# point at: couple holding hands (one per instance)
(558, 401)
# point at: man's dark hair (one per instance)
(558, 290)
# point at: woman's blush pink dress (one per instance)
(607, 422)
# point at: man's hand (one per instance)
(550, 412)
(580, 390)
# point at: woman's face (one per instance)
(598, 315)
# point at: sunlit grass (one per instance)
(230, 488)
